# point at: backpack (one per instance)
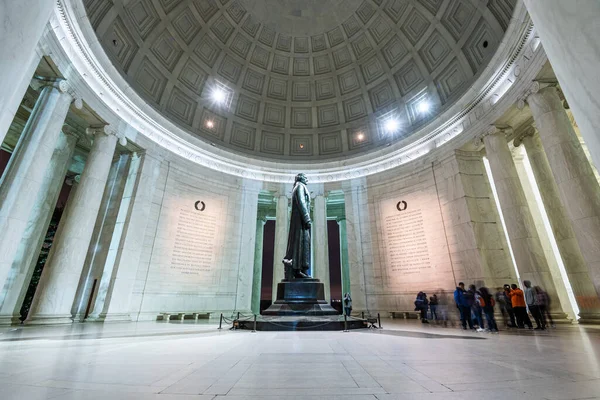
(483, 304)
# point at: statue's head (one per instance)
(301, 178)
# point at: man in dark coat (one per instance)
(463, 303)
(297, 255)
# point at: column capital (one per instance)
(534, 88)
(38, 83)
(492, 130)
(530, 131)
(107, 130)
(71, 131)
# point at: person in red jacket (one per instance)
(517, 298)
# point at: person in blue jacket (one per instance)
(463, 303)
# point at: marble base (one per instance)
(311, 323)
(125, 317)
(50, 320)
(300, 297)
(8, 320)
(589, 319)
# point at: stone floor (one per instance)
(185, 361)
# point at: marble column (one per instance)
(282, 226)
(566, 240)
(23, 23)
(570, 35)
(358, 236)
(114, 294)
(258, 259)
(247, 243)
(320, 244)
(524, 239)
(106, 235)
(344, 257)
(15, 289)
(24, 176)
(56, 291)
(553, 258)
(575, 180)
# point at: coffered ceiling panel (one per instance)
(302, 74)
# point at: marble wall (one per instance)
(423, 229)
(426, 229)
(198, 247)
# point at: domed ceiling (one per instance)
(305, 79)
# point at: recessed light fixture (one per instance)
(391, 125)
(360, 136)
(301, 146)
(210, 124)
(219, 96)
(424, 107)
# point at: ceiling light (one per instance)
(423, 107)
(360, 136)
(210, 124)
(219, 96)
(391, 125)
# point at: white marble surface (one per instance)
(282, 226)
(524, 239)
(357, 228)
(190, 361)
(129, 251)
(23, 23)
(227, 284)
(58, 284)
(320, 238)
(24, 175)
(569, 36)
(577, 186)
(475, 236)
(108, 228)
(11, 297)
(522, 159)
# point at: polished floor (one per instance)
(175, 361)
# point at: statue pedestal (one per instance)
(300, 297)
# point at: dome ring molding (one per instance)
(481, 104)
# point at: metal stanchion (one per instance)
(254, 328)
(221, 321)
(379, 320)
(238, 318)
(345, 323)
(363, 315)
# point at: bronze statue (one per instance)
(297, 255)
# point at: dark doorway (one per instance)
(335, 264)
(267, 265)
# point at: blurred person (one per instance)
(487, 304)
(463, 305)
(347, 304)
(531, 300)
(543, 302)
(433, 305)
(505, 305)
(517, 298)
(421, 303)
(476, 308)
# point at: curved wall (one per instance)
(428, 175)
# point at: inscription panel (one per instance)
(415, 252)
